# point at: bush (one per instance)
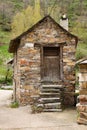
(79, 54)
(81, 50)
(6, 27)
(14, 104)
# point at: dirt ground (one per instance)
(22, 119)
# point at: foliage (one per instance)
(14, 104)
(3, 73)
(4, 36)
(4, 57)
(25, 19)
(81, 51)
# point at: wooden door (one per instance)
(51, 64)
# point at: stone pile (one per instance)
(82, 105)
(82, 109)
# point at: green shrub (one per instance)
(14, 104)
(81, 51)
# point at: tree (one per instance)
(25, 19)
(6, 11)
(18, 24)
(37, 11)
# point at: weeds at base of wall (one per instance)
(78, 114)
(36, 109)
(14, 104)
(6, 82)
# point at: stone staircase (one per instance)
(51, 98)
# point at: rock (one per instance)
(40, 105)
(71, 63)
(83, 85)
(82, 121)
(83, 99)
(83, 92)
(83, 115)
(68, 99)
(81, 108)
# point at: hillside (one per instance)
(76, 11)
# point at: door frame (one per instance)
(60, 45)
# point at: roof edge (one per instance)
(81, 60)
(30, 29)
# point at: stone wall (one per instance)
(28, 61)
(82, 105)
(69, 73)
(28, 64)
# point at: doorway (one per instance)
(51, 64)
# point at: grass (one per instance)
(4, 36)
(14, 104)
(4, 52)
(3, 73)
(81, 51)
(4, 57)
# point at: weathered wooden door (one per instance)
(51, 64)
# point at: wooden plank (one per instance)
(61, 63)
(42, 69)
(51, 68)
(51, 51)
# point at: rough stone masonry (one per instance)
(27, 49)
(82, 105)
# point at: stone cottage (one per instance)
(44, 59)
(82, 105)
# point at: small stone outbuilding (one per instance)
(44, 60)
(82, 105)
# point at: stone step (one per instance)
(49, 100)
(52, 105)
(52, 110)
(50, 94)
(52, 86)
(50, 90)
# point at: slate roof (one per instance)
(14, 43)
(82, 61)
